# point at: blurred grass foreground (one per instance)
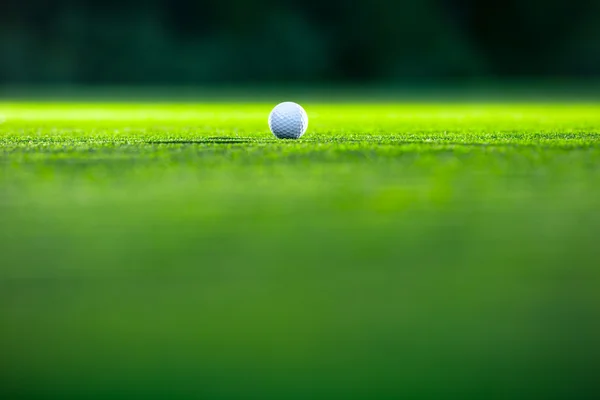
(396, 251)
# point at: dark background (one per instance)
(243, 41)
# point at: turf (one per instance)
(397, 250)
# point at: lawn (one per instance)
(396, 250)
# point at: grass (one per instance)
(398, 250)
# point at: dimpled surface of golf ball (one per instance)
(288, 121)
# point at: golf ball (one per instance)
(288, 120)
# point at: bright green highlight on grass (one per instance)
(395, 250)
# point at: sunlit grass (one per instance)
(395, 249)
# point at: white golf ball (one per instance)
(288, 121)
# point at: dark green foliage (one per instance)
(224, 41)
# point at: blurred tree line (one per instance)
(233, 41)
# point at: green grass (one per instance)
(397, 250)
